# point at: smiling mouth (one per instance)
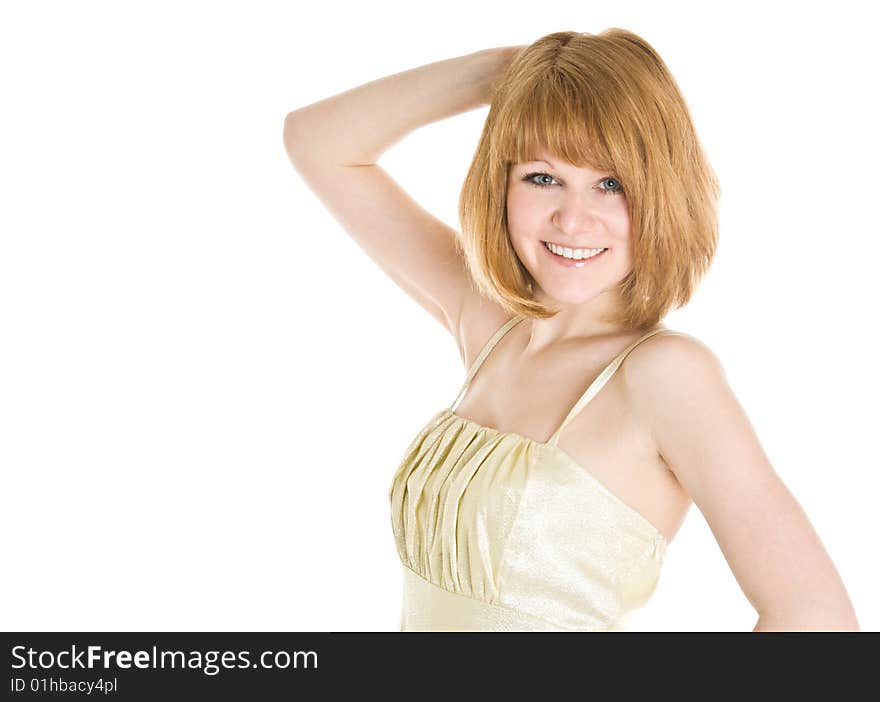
(594, 252)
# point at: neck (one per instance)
(572, 323)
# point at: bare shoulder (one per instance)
(669, 355)
(478, 319)
(672, 372)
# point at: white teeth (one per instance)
(575, 254)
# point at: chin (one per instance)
(568, 298)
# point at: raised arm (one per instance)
(334, 145)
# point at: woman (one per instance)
(589, 211)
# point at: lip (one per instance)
(569, 246)
(572, 263)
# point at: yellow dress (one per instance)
(499, 532)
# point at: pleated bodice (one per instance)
(499, 532)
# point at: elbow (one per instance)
(288, 131)
(294, 130)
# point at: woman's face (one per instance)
(576, 208)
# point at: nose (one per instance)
(577, 214)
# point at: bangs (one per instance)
(556, 117)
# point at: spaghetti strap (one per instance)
(487, 347)
(603, 378)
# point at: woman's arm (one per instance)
(358, 125)
(706, 439)
(334, 144)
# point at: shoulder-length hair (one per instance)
(609, 102)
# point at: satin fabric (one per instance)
(498, 532)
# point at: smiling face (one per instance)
(569, 207)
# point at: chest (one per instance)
(605, 437)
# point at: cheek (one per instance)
(620, 228)
(522, 213)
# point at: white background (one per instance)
(206, 385)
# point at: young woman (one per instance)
(535, 501)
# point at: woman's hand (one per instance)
(498, 59)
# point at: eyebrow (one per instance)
(557, 167)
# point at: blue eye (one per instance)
(528, 179)
(618, 189)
